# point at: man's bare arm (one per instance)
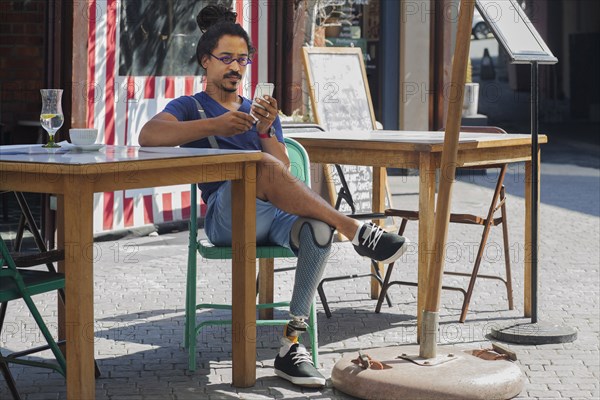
(266, 116)
(276, 149)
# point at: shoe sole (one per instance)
(397, 254)
(313, 382)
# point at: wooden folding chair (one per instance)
(18, 283)
(498, 202)
(343, 195)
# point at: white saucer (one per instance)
(88, 147)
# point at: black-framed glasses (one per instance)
(242, 61)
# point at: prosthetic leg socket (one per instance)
(312, 241)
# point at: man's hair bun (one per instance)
(216, 21)
(212, 14)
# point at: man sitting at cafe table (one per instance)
(288, 213)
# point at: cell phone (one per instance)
(262, 89)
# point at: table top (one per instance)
(35, 169)
(418, 140)
(79, 155)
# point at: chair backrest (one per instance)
(299, 162)
(5, 259)
(482, 129)
(479, 129)
(299, 167)
(344, 193)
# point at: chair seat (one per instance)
(36, 282)
(471, 219)
(212, 252)
(367, 216)
(24, 260)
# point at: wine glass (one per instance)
(51, 116)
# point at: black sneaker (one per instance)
(295, 364)
(379, 245)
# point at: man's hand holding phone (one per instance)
(264, 107)
(232, 123)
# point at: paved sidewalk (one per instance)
(140, 284)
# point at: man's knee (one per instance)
(322, 233)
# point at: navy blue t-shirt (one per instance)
(185, 108)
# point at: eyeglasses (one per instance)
(242, 61)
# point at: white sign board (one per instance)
(515, 32)
(341, 101)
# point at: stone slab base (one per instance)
(465, 377)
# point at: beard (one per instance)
(224, 85)
(229, 89)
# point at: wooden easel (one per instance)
(334, 108)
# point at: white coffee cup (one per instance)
(83, 136)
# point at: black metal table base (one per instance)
(533, 333)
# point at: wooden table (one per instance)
(423, 151)
(76, 176)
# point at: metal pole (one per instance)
(534, 332)
(534, 189)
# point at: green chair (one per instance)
(300, 168)
(22, 283)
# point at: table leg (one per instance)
(426, 218)
(378, 205)
(79, 288)
(243, 279)
(528, 242)
(60, 236)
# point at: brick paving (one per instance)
(140, 284)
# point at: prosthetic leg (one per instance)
(311, 240)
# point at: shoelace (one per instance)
(301, 355)
(374, 236)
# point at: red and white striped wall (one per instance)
(118, 106)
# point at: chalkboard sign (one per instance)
(341, 101)
(515, 32)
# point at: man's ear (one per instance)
(203, 61)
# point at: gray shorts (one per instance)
(273, 226)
